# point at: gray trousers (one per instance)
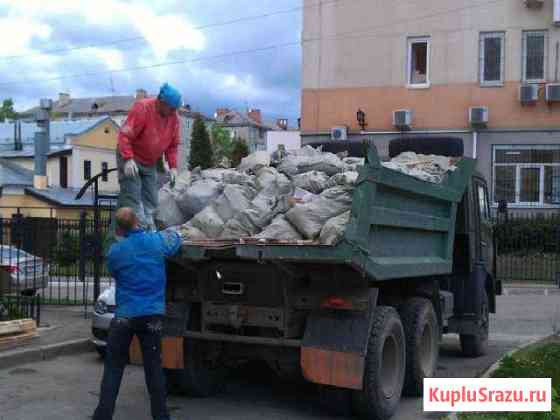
(140, 193)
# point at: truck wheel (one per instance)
(443, 146)
(384, 367)
(477, 345)
(203, 375)
(422, 343)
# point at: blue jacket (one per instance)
(138, 265)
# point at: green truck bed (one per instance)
(400, 227)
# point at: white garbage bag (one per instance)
(189, 233)
(217, 174)
(352, 163)
(344, 178)
(199, 195)
(431, 168)
(168, 212)
(314, 181)
(280, 229)
(233, 200)
(208, 222)
(309, 218)
(254, 161)
(308, 159)
(334, 229)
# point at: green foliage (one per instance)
(529, 235)
(7, 111)
(68, 250)
(240, 150)
(201, 147)
(222, 144)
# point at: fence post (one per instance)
(97, 246)
(82, 257)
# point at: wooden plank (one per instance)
(17, 327)
(325, 367)
(135, 352)
(16, 340)
(171, 352)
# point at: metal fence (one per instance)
(528, 248)
(45, 260)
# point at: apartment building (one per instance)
(483, 70)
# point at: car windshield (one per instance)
(11, 253)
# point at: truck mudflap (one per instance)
(335, 345)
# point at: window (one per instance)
(418, 62)
(63, 167)
(104, 168)
(492, 58)
(534, 56)
(87, 169)
(527, 175)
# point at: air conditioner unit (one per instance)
(339, 133)
(402, 119)
(553, 92)
(534, 4)
(528, 94)
(478, 116)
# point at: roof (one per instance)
(12, 174)
(30, 152)
(238, 119)
(65, 197)
(193, 115)
(101, 105)
(59, 132)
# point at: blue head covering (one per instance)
(170, 96)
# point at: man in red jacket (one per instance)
(150, 131)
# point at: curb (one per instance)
(18, 357)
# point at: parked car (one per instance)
(21, 272)
(103, 313)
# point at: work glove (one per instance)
(131, 169)
(172, 177)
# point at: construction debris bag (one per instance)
(254, 161)
(168, 212)
(352, 163)
(344, 178)
(239, 178)
(208, 222)
(182, 182)
(280, 229)
(218, 174)
(314, 182)
(333, 231)
(308, 159)
(431, 168)
(199, 195)
(233, 200)
(309, 218)
(189, 233)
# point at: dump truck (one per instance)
(365, 316)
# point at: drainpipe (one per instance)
(475, 144)
(42, 144)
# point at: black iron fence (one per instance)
(528, 248)
(48, 260)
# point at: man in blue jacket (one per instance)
(137, 264)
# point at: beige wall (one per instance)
(360, 47)
(96, 157)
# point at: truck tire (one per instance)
(477, 345)
(384, 367)
(443, 146)
(421, 330)
(203, 375)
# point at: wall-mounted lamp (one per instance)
(361, 117)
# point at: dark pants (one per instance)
(149, 331)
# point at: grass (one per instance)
(541, 360)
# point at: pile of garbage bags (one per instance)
(307, 196)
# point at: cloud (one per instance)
(166, 31)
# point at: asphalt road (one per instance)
(68, 387)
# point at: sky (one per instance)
(43, 44)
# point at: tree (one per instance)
(222, 143)
(240, 150)
(7, 110)
(201, 147)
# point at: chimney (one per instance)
(42, 144)
(282, 124)
(141, 94)
(220, 112)
(255, 115)
(63, 99)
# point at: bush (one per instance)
(68, 250)
(529, 235)
(240, 150)
(201, 147)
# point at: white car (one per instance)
(21, 272)
(103, 313)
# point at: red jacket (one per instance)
(146, 135)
